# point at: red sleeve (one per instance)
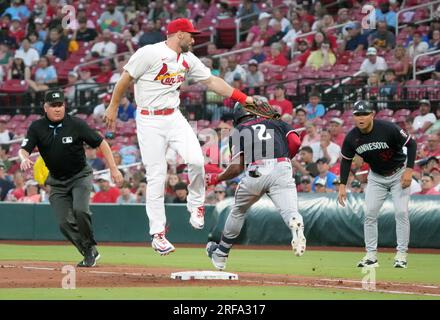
(293, 142)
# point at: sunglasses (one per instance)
(219, 192)
(360, 114)
(306, 182)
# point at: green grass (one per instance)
(200, 293)
(423, 268)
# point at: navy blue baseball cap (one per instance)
(362, 106)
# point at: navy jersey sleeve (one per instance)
(286, 128)
(399, 136)
(236, 144)
(348, 151)
(88, 135)
(31, 139)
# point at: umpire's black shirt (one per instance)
(61, 144)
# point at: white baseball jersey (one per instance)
(159, 72)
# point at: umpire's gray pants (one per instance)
(375, 194)
(70, 200)
(276, 181)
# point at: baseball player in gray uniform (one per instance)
(264, 148)
(380, 144)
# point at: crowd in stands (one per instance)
(39, 53)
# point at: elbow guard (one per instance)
(293, 142)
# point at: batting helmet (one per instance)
(240, 113)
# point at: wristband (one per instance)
(239, 96)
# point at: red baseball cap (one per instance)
(181, 24)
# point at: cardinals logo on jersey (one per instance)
(170, 79)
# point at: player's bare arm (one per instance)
(119, 90)
(114, 171)
(219, 86)
(26, 163)
(234, 169)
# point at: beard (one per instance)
(185, 47)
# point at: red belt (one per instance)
(277, 159)
(162, 112)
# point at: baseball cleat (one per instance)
(91, 256)
(298, 239)
(197, 219)
(218, 258)
(369, 260)
(161, 245)
(400, 260)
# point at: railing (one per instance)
(424, 5)
(415, 72)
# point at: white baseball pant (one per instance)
(155, 134)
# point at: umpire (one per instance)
(60, 140)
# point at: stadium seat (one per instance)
(385, 112)
(402, 113)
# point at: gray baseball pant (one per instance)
(375, 194)
(70, 201)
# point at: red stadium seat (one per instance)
(385, 112)
(402, 112)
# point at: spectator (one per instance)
(36, 43)
(343, 18)
(305, 164)
(262, 31)
(319, 186)
(40, 30)
(83, 33)
(18, 70)
(300, 121)
(29, 55)
(181, 191)
(306, 184)
(104, 48)
(417, 46)
(127, 42)
(400, 62)
(92, 159)
(390, 89)
(356, 186)
(55, 46)
(278, 34)
(126, 110)
(141, 191)
(434, 42)
(304, 15)
(235, 69)
(425, 119)
(32, 194)
(314, 108)
(17, 193)
(151, 35)
(248, 12)
(304, 52)
(276, 57)
(435, 128)
(312, 134)
(432, 147)
(69, 90)
(105, 73)
(355, 40)
(280, 102)
(126, 196)
(17, 9)
(436, 73)
(45, 75)
(257, 52)
(326, 149)
(117, 73)
(5, 134)
(224, 11)
(336, 131)
(382, 38)
(278, 16)
(219, 193)
(383, 13)
(106, 193)
(305, 27)
(40, 9)
(428, 185)
(99, 110)
(111, 19)
(16, 30)
(321, 58)
(254, 77)
(290, 37)
(4, 149)
(323, 23)
(5, 53)
(180, 10)
(5, 184)
(411, 29)
(158, 11)
(373, 63)
(325, 175)
(172, 180)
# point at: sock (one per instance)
(225, 244)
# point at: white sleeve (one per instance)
(364, 66)
(197, 70)
(431, 118)
(139, 63)
(383, 65)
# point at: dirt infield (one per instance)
(14, 274)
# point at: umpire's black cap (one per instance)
(362, 106)
(54, 96)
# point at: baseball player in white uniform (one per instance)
(158, 71)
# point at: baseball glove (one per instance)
(261, 107)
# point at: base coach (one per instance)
(60, 140)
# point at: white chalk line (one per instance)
(269, 282)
